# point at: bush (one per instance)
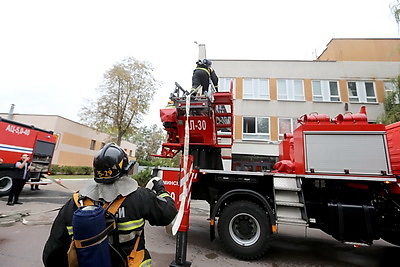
(68, 170)
(143, 177)
(55, 169)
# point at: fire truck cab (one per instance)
(17, 139)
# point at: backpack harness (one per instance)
(135, 258)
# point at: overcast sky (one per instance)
(53, 54)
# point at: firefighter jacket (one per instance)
(214, 78)
(202, 75)
(138, 206)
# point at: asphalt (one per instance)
(24, 230)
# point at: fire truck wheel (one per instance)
(5, 185)
(245, 230)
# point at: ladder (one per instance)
(289, 200)
(223, 117)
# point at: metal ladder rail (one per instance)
(289, 201)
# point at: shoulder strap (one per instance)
(86, 201)
(110, 207)
(114, 205)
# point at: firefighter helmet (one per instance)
(110, 163)
(207, 62)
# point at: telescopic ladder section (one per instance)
(223, 117)
(289, 200)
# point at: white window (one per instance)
(290, 90)
(390, 88)
(286, 125)
(224, 84)
(360, 91)
(256, 89)
(325, 91)
(256, 128)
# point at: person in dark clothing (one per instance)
(22, 168)
(214, 78)
(202, 75)
(111, 182)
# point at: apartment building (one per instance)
(77, 144)
(271, 94)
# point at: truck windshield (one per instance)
(43, 148)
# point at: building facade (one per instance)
(271, 94)
(77, 144)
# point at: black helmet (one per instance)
(207, 62)
(110, 163)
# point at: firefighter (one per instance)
(170, 104)
(202, 75)
(111, 181)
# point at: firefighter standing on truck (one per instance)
(202, 75)
(111, 181)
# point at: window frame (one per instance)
(293, 126)
(290, 90)
(224, 84)
(92, 144)
(256, 136)
(361, 90)
(326, 91)
(392, 89)
(256, 89)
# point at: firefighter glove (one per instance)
(156, 184)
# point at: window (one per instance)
(286, 125)
(325, 91)
(390, 88)
(256, 89)
(224, 84)
(360, 91)
(290, 90)
(92, 144)
(256, 128)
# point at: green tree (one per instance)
(124, 97)
(391, 106)
(395, 8)
(148, 141)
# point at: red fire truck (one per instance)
(17, 139)
(339, 175)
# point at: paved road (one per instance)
(25, 228)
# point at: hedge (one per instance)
(67, 170)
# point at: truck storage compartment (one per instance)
(352, 223)
(362, 153)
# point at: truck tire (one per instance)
(5, 185)
(245, 230)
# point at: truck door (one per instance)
(41, 158)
